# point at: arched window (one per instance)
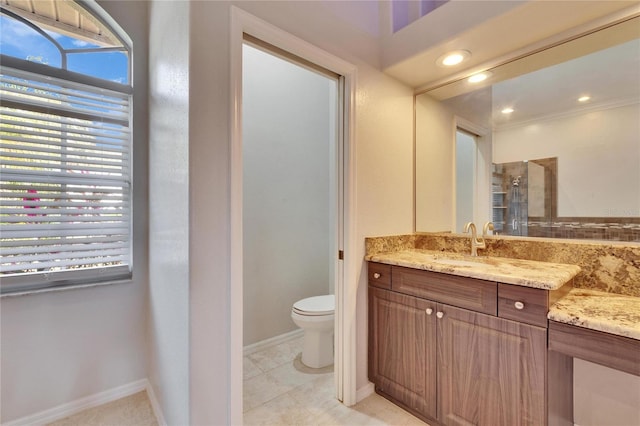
(65, 146)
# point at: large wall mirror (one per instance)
(547, 145)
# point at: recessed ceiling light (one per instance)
(508, 110)
(453, 58)
(584, 98)
(477, 78)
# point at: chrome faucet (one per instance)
(476, 242)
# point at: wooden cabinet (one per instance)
(455, 365)
(402, 353)
(490, 371)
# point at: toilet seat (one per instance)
(315, 306)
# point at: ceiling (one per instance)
(508, 34)
(64, 17)
(611, 77)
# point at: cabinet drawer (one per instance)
(524, 304)
(379, 275)
(463, 292)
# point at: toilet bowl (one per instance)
(315, 315)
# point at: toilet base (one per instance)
(317, 349)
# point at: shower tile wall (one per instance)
(510, 202)
(587, 229)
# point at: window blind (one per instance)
(65, 182)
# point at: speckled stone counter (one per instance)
(598, 310)
(605, 265)
(528, 273)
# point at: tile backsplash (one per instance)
(611, 267)
(588, 231)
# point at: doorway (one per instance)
(465, 178)
(242, 24)
(291, 204)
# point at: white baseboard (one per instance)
(155, 405)
(365, 391)
(273, 341)
(74, 407)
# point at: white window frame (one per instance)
(102, 254)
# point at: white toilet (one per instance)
(315, 315)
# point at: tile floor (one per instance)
(280, 390)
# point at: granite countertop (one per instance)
(527, 273)
(599, 310)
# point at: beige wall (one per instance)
(435, 141)
(384, 179)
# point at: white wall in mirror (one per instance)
(598, 159)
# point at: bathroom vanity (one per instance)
(463, 340)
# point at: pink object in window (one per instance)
(31, 191)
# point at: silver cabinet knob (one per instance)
(429, 311)
(439, 314)
(519, 305)
(376, 275)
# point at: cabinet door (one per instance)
(492, 371)
(402, 349)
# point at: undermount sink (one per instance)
(459, 262)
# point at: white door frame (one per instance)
(481, 173)
(345, 328)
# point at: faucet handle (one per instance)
(486, 228)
